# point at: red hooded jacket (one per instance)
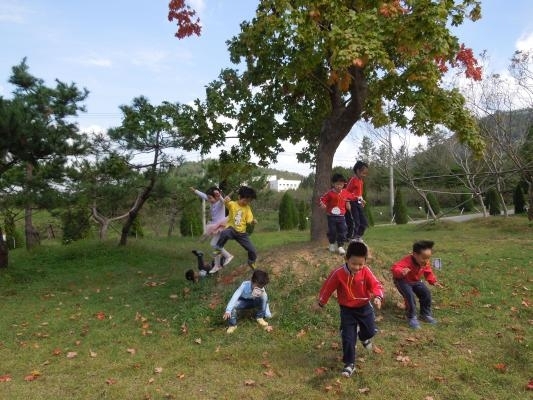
(415, 271)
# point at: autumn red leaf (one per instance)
(5, 378)
(183, 15)
(500, 367)
(529, 385)
(110, 381)
(270, 373)
(100, 315)
(320, 370)
(56, 352)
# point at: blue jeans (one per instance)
(351, 318)
(242, 238)
(336, 229)
(259, 303)
(410, 291)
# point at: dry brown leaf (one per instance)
(92, 354)
(269, 373)
(180, 375)
(364, 390)
(198, 340)
(131, 351)
(300, 334)
(5, 378)
(376, 349)
(249, 382)
(320, 370)
(269, 328)
(72, 354)
(151, 380)
(56, 352)
(110, 381)
(328, 388)
(184, 328)
(158, 370)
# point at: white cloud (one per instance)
(154, 60)
(198, 5)
(12, 12)
(525, 42)
(92, 61)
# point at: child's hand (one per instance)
(316, 307)
(377, 302)
(254, 221)
(438, 284)
(226, 316)
(192, 189)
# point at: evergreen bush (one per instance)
(303, 212)
(191, 220)
(288, 214)
(466, 202)
(433, 202)
(492, 202)
(76, 224)
(519, 200)
(400, 209)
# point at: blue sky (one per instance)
(121, 49)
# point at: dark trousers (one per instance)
(409, 290)
(336, 229)
(242, 238)
(351, 318)
(356, 220)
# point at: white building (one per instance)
(281, 185)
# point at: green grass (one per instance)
(51, 299)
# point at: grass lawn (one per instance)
(94, 321)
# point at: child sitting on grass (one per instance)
(356, 285)
(249, 295)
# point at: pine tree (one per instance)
(191, 220)
(433, 202)
(467, 202)
(400, 209)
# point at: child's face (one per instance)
(214, 198)
(244, 201)
(257, 291)
(338, 186)
(355, 263)
(423, 257)
(361, 173)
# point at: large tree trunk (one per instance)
(134, 211)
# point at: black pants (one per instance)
(336, 229)
(356, 220)
(242, 238)
(351, 318)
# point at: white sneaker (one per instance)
(332, 247)
(227, 260)
(231, 329)
(341, 251)
(262, 322)
(215, 269)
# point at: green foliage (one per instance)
(467, 202)
(191, 220)
(288, 213)
(433, 202)
(76, 224)
(14, 239)
(519, 199)
(303, 215)
(492, 202)
(136, 229)
(400, 209)
(369, 214)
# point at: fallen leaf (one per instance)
(110, 381)
(328, 388)
(5, 378)
(529, 385)
(249, 382)
(181, 375)
(173, 296)
(72, 354)
(376, 349)
(269, 328)
(56, 352)
(364, 390)
(269, 373)
(428, 398)
(131, 351)
(411, 339)
(198, 340)
(151, 380)
(403, 359)
(184, 328)
(500, 367)
(92, 354)
(320, 370)
(100, 315)
(158, 370)
(300, 334)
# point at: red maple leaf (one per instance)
(184, 15)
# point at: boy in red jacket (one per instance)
(407, 274)
(355, 218)
(336, 202)
(356, 285)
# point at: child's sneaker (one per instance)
(231, 329)
(215, 269)
(227, 260)
(197, 253)
(262, 322)
(332, 247)
(413, 323)
(341, 250)
(429, 319)
(348, 370)
(367, 344)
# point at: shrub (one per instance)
(400, 209)
(288, 214)
(492, 202)
(76, 224)
(433, 202)
(466, 202)
(519, 200)
(191, 220)
(303, 212)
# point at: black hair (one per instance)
(359, 165)
(189, 275)
(422, 245)
(357, 249)
(338, 178)
(211, 191)
(260, 278)
(246, 192)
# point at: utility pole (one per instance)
(391, 176)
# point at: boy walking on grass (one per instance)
(407, 274)
(249, 295)
(356, 286)
(239, 217)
